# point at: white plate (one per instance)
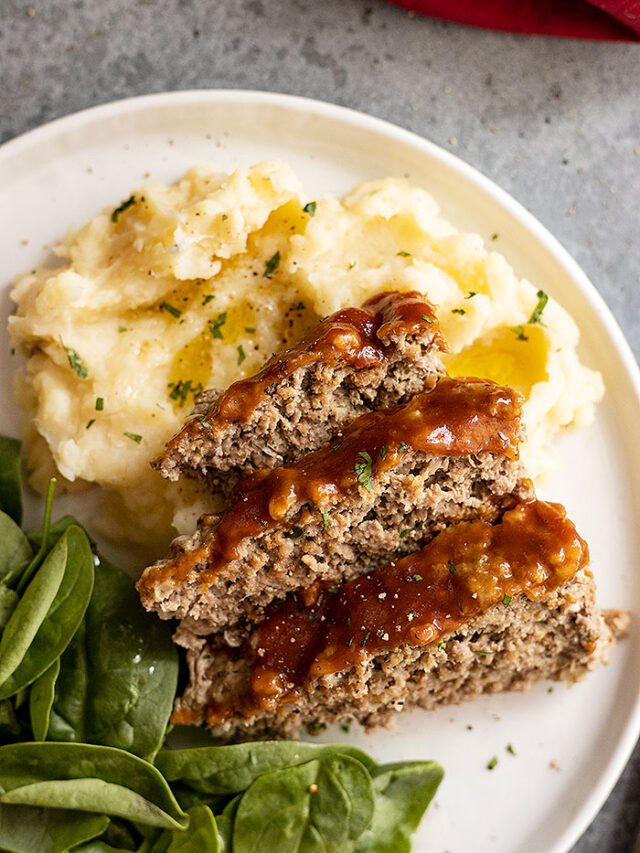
(64, 173)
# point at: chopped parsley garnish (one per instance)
(494, 236)
(91, 422)
(403, 254)
(125, 204)
(346, 729)
(364, 470)
(349, 641)
(383, 451)
(296, 533)
(271, 265)
(175, 312)
(75, 361)
(312, 616)
(208, 298)
(471, 294)
(351, 265)
(406, 532)
(99, 404)
(203, 421)
(325, 520)
(310, 208)
(519, 332)
(417, 577)
(366, 637)
(460, 608)
(250, 330)
(334, 589)
(507, 599)
(442, 645)
(510, 749)
(452, 568)
(216, 325)
(133, 436)
(537, 311)
(404, 447)
(427, 318)
(492, 763)
(122, 329)
(182, 389)
(241, 355)
(458, 311)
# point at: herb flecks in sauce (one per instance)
(531, 552)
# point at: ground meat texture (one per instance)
(353, 362)
(401, 513)
(506, 648)
(327, 518)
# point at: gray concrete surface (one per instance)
(554, 122)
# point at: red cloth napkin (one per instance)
(618, 20)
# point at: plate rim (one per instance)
(618, 759)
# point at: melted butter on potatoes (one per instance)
(194, 285)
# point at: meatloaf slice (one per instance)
(482, 609)
(394, 478)
(353, 362)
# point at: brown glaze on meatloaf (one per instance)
(392, 480)
(355, 361)
(482, 608)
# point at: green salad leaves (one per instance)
(87, 684)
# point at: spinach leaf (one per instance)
(403, 791)
(319, 806)
(157, 844)
(15, 550)
(24, 829)
(121, 835)
(10, 727)
(55, 531)
(231, 769)
(116, 838)
(48, 614)
(224, 822)
(8, 602)
(82, 777)
(68, 714)
(26, 576)
(201, 836)
(41, 700)
(118, 676)
(188, 798)
(10, 490)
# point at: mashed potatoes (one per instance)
(193, 286)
